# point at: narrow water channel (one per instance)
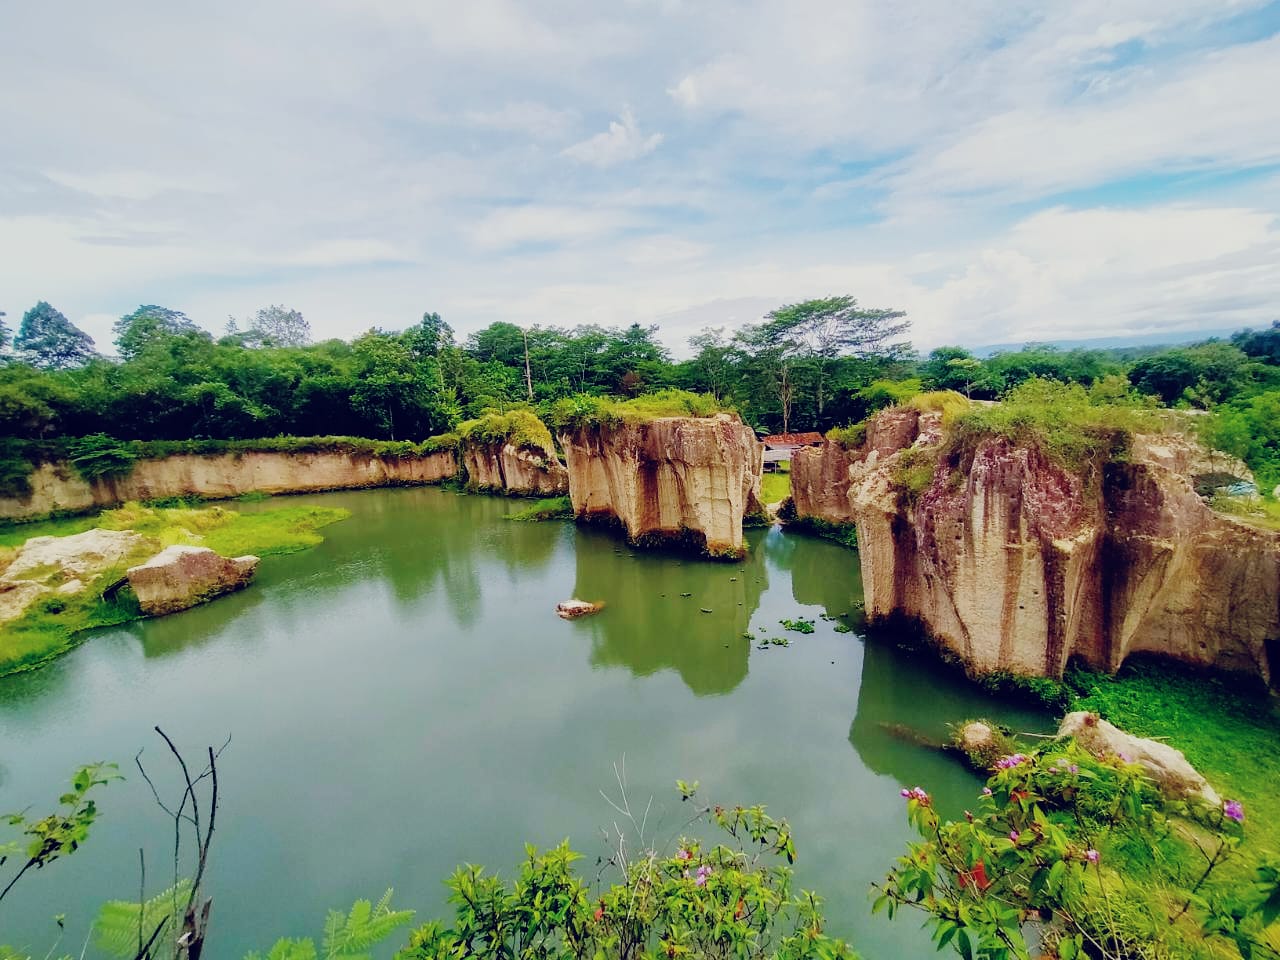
(403, 699)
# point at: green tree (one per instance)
(48, 340)
(134, 332)
(820, 331)
(277, 326)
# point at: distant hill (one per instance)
(1167, 339)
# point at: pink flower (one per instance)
(986, 791)
(703, 872)
(1092, 855)
(1233, 810)
(1013, 835)
(1005, 763)
(685, 855)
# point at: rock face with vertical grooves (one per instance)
(56, 486)
(512, 469)
(668, 479)
(1014, 563)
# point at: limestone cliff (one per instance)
(668, 478)
(1015, 563)
(56, 486)
(518, 470)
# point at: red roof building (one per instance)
(789, 441)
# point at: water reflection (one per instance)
(903, 696)
(649, 623)
(416, 540)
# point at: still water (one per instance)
(403, 699)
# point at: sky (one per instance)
(1003, 171)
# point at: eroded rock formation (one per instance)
(517, 470)
(180, 577)
(670, 478)
(56, 486)
(1015, 563)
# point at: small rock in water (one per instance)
(705, 610)
(570, 609)
(686, 594)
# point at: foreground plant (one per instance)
(727, 900)
(1089, 855)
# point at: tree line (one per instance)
(805, 366)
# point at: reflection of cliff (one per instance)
(648, 626)
(903, 690)
(419, 540)
(823, 574)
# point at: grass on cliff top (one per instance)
(519, 427)
(1074, 427)
(53, 625)
(586, 410)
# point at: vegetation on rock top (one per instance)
(520, 428)
(585, 410)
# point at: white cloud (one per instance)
(623, 141)
(535, 120)
(336, 253)
(509, 227)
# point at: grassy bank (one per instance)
(53, 625)
(776, 487)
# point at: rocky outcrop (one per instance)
(1014, 562)
(572, 609)
(62, 566)
(1164, 764)
(668, 479)
(56, 486)
(180, 577)
(520, 471)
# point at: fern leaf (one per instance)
(115, 930)
(351, 937)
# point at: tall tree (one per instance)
(277, 326)
(146, 325)
(4, 333)
(820, 331)
(49, 340)
(713, 359)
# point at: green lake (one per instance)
(403, 699)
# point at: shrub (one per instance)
(848, 438)
(691, 901)
(520, 427)
(912, 473)
(1087, 847)
(99, 456)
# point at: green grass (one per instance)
(48, 629)
(1226, 725)
(551, 508)
(776, 487)
(1263, 513)
(586, 410)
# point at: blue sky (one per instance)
(1001, 170)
